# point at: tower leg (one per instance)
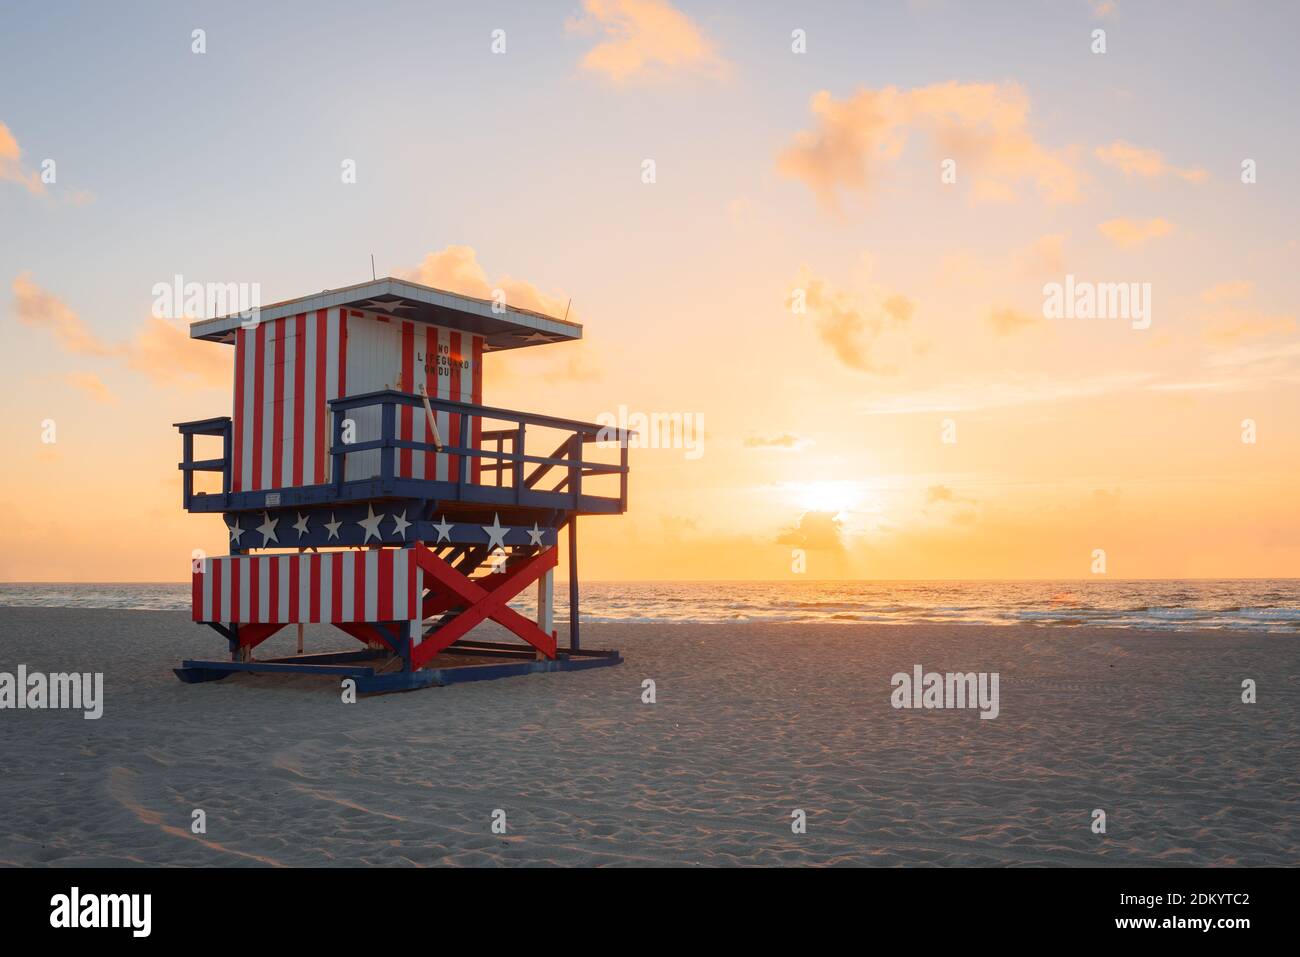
(573, 583)
(546, 604)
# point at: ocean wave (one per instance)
(1264, 606)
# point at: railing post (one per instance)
(187, 482)
(387, 454)
(575, 467)
(463, 442)
(226, 440)
(622, 478)
(573, 582)
(519, 463)
(337, 454)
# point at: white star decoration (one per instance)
(496, 534)
(400, 524)
(377, 306)
(534, 535)
(267, 528)
(235, 532)
(371, 524)
(301, 525)
(444, 530)
(333, 526)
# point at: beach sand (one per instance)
(752, 721)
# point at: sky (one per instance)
(826, 231)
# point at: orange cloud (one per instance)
(984, 127)
(785, 442)
(40, 309)
(644, 39)
(11, 167)
(819, 531)
(92, 385)
(1228, 291)
(1235, 325)
(1131, 232)
(847, 326)
(1008, 321)
(1139, 161)
(457, 269)
(162, 350)
(1045, 255)
(1231, 322)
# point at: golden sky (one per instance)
(836, 257)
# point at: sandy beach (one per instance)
(751, 722)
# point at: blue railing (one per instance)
(509, 458)
(218, 426)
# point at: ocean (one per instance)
(1259, 605)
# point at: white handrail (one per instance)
(433, 423)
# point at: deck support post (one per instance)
(300, 639)
(573, 583)
(546, 604)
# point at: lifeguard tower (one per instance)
(365, 485)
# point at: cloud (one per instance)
(784, 442)
(939, 493)
(1131, 232)
(1231, 321)
(644, 40)
(954, 505)
(161, 349)
(1044, 256)
(1228, 291)
(899, 308)
(1002, 393)
(851, 328)
(1007, 321)
(37, 308)
(11, 167)
(984, 127)
(1233, 325)
(457, 269)
(92, 385)
(819, 531)
(1140, 161)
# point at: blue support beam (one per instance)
(347, 665)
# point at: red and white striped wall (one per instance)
(287, 369)
(374, 585)
(393, 352)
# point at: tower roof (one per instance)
(509, 329)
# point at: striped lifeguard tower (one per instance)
(365, 485)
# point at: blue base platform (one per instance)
(500, 660)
